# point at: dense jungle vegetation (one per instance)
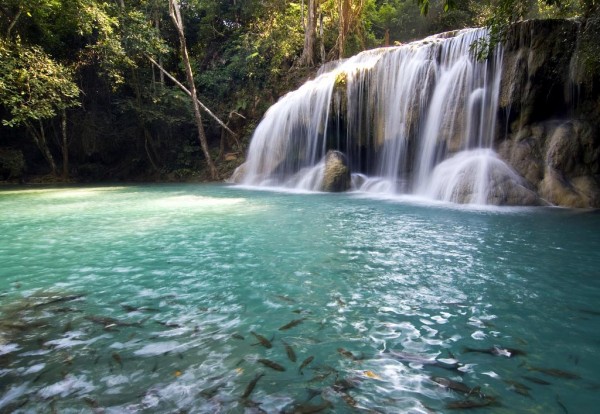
(99, 90)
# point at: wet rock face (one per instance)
(549, 111)
(336, 175)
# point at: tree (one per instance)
(310, 34)
(175, 14)
(34, 87)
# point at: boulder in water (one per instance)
(480, 177)
(238, 175)
(336, 174)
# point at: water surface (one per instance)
(146, 298)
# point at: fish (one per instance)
(91, 402)
(518, 387)
(466, 404)
(131, 308)
(168, 324)
(238, 336)
(210, 392)
(498, 351)
(452, 385)
(536, 380)
(285, 298)
(348, 354)
(252, 384)
(553, 372)
(348, 399)
(320, 377)
(59, 299)
(311, 409)
(290, 351)
(109, 322)
(291, 324)
(345, 384)
(271, 364)
(415, 358)
(305, 363)
(561, 405)
(262, 340)
(68, 327)
(117, 358)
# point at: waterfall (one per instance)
(418, 118)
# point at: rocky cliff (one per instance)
(549, 109)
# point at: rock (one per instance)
(480, 177)
(336, 174)
(238, 175)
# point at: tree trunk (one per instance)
(64, 144)
(178, 21)
(345, 11)
(39, 137)
(310, 35)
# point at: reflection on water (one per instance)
(217, 299)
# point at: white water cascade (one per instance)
(418, 118)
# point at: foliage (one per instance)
(32, 85)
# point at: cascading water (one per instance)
(408, 118)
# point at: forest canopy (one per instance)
(89, 88)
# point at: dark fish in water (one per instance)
(291, 324)
(298, 311)
(313, 392)
(518, 387)
(91, 402)
(452, 385)
(310, 409)
(271, 364)
(348, 399)
(561, 405)
(262, 340)
(290, 351)
(466, 404)
(109, 322)
(210, 392)
(252, 384)
(118, 359)
(238, 336)
(498, 351)
(68, 327)
(349, 354)
(155, 367)
(59, 299)
(414, 358)
(553, 372)
(345, 384)
(320, 377)
(305, 363)
(285, 298)
(168, 324)
(131, 308)
(536, 380)
(254, 406)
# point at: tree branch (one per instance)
(186, 90)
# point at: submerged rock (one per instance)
(336, 174)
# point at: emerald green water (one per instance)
(187, 272)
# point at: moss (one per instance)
(341, 81)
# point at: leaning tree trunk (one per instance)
(178, 21)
